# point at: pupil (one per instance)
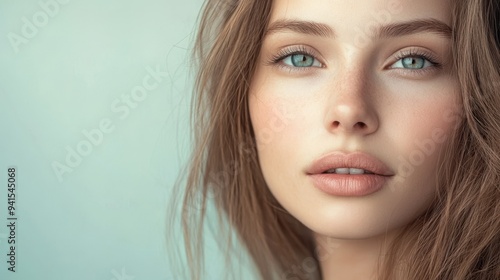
(413, 62)
(300, 60)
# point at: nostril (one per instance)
(360, 125)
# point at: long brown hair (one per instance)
(458, 238)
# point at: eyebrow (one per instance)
(300, 26)
(390, 30)
(415, 26)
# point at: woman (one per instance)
(349, 140)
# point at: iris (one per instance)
(300, 60)
(413, 62)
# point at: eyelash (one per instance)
(276, 60)
(416, 53)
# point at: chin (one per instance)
(358, 218)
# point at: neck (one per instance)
(353, 259)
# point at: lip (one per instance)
(345, 184)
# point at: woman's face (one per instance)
(365, 85)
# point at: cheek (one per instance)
(275, 121)
(420, 136)
(271, 122)
(282, 111)
(279, 125)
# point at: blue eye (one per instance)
(412, 62)
(301, 60)
(296, 58)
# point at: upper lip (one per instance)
(352, 160)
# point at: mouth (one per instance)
(355, 174)
(347, 170)
(349, 164)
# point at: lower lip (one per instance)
(348, 185)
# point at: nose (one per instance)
(351, 106)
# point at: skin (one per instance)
(356, 96)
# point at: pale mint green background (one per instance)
(105, 218)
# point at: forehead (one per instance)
(345, 15)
